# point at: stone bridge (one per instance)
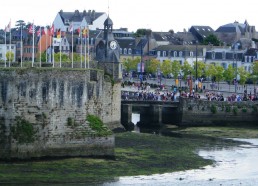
(152, 113)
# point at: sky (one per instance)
(161, 15)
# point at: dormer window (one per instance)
(191, 53)
(125, 50)
(121, 51)
(180, 54)
(67, 21)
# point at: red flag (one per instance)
(52, 30)
(79, 31)
(31, 29)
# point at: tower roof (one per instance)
(108, 21)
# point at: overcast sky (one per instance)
(161, 15)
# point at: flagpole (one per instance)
(40, 47)
(81, 45)
(33, 44)
(10, 45)
(46, 36)
(72, 44)
(21, 43)
(88, 32)
(85, 44)
(60, 50)
(52, 49)
(5, 49)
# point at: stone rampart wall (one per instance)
(202, 112)
(55, 102)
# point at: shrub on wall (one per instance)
(23, 131)
(97, 125)
(213, 109)
(244, 109)
(228, 108)
(235, 110)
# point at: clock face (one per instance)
(113, 45)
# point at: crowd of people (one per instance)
(144, 92)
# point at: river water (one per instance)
(233, 166)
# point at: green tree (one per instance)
(9, 56)
(211, 70)
(229, 74)
(176, 67)
(153, 66)
(211, 39)
(142, 32)
(78, 57)
(200, 69)
(219, 73)
(244, 75)
(166, 67)
(131, 64)
(186, 69)
(64, 57)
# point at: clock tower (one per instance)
(108, 52)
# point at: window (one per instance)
(191, 53)
(180, 54)
(158, 53)
(125, 51)
(164, 54)
(175, 53)
(224, 55)
(213, 55)
(67, 21)
(121, 51)
(129, 51)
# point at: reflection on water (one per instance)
(135, 118)
(235, 166)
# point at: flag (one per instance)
(70, 29)
(58, 33)
(32, 29)
(38, 32)
(45, 31)
(52, 30)
(85, 32)
(8, 27)
(79, 31)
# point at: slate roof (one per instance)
(126, 42)
(203, 30)
(179, 47)
(77, 16)
(167, 36)
(231, 27)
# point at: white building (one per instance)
(94, 20)
(4, 49)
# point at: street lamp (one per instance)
(196, 79)
(190, 83)
(141, 76)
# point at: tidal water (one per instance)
(233, 166)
